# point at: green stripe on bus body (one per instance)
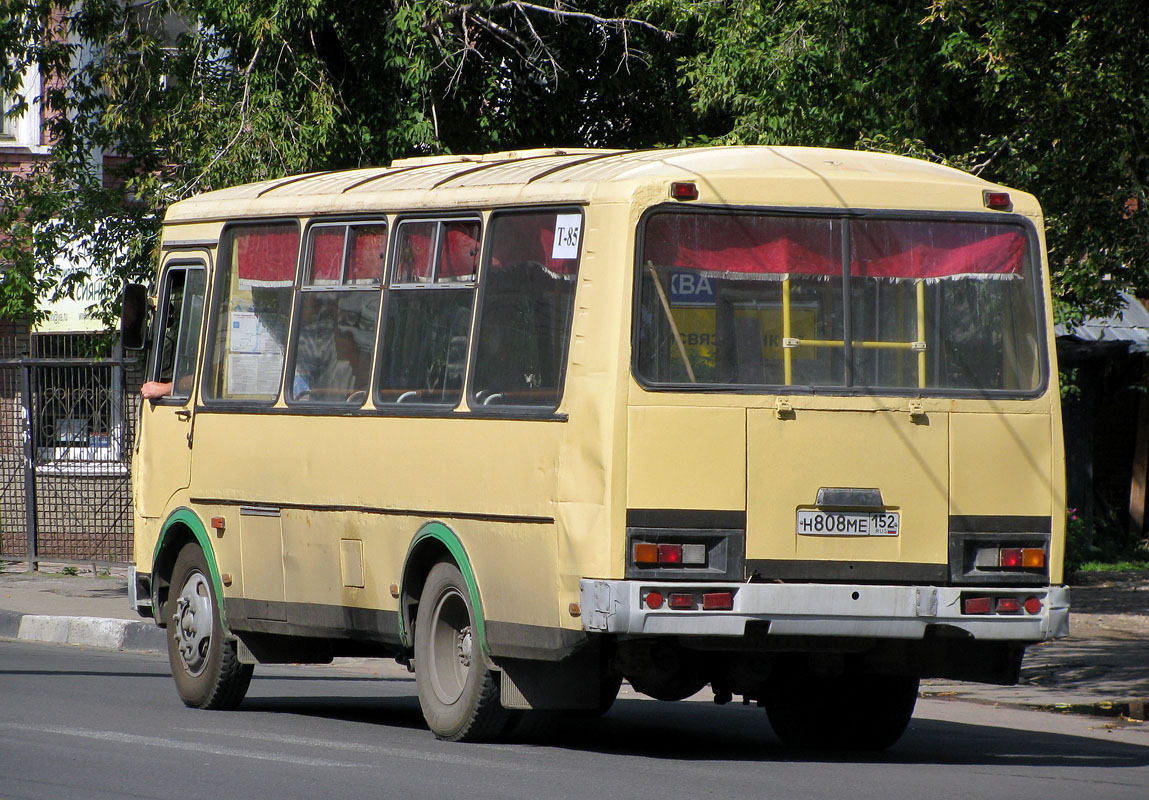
(447, 537)
(188, 518)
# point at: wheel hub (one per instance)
(463, 646)
(192, 623)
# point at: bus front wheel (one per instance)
(204, 663)
(458, 694)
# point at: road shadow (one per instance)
(700, 732)
(392, 711)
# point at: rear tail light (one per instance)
(681, 601)
(651, 554)
(646, 554)
(653, 600)
(1009, 557)
(994, 604)
(718, 601)
(1008, 605)
(976, 605)
(1033, 557)
(694, 554)
(670, 554)
(1014, 558)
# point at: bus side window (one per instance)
(427, 313)
(337, 314)
(252, 305)
(181, 317)
(526, 309)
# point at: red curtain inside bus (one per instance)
(327, 255)
(368, 254)
(529, 238)
(761, 246)
(265, 255)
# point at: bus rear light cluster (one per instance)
(689, 601)
(647, 554)
(1011, 557)
(990, 605)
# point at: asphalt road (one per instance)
(79, 723)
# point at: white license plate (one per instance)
(848, 523)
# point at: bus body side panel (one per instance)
(305, 539)
(591, 469)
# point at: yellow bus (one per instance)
(783, 422)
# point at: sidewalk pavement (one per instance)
(1102, 669)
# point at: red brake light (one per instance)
(670, 554)
(1010, 557)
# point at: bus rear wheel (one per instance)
(458, 694)
(848, 712)
(204, 663)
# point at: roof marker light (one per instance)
(998, 201)
(682, 190)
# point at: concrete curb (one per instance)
(104, 633)
(1133, 710)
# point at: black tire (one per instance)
(204, 663)
(608, 688)
(850, 712)
(458, 694)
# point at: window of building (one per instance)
(338, 309)
(251, 309)
(526, 308)
(428, 312)
(77, 405)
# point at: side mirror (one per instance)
(134, 317)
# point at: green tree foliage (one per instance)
(260, 89)
(1045, 95)
(1050, 96)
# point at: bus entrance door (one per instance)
(163, 467)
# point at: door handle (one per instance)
(183, 414)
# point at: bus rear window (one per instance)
(824, 303)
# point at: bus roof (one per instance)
(734, 175)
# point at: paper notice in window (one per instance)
(246, 332)
(568, 229)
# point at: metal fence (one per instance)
(66, 428)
